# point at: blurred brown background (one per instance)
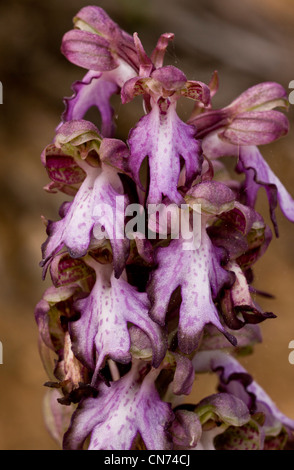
(247, 43)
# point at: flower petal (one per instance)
(246, 337)
(93, 90)
(88, 50)
(72, 135)
(74, 231)
(57, 417)
(237, 305)
(119, 413)
(263, 96)
(116, 153)
(259, 174)
(184, 375)
(213, 196)
(246, 437)
(56, 302)
(62, 168)
(163, 137)
(65, 270)
(200, 276)
(236, 380)
(223, 408)
(255, 128)
(170, 78)
(158, 53)
(95, 20)
(197, 91)
(105, 315)
(186, 429)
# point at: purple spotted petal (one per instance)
(200, 276)
(278, 442)
(74, 231)
(105, 314)
(119, 412)
(163, 137)
(93, 90)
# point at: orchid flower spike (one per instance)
(152, 263)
